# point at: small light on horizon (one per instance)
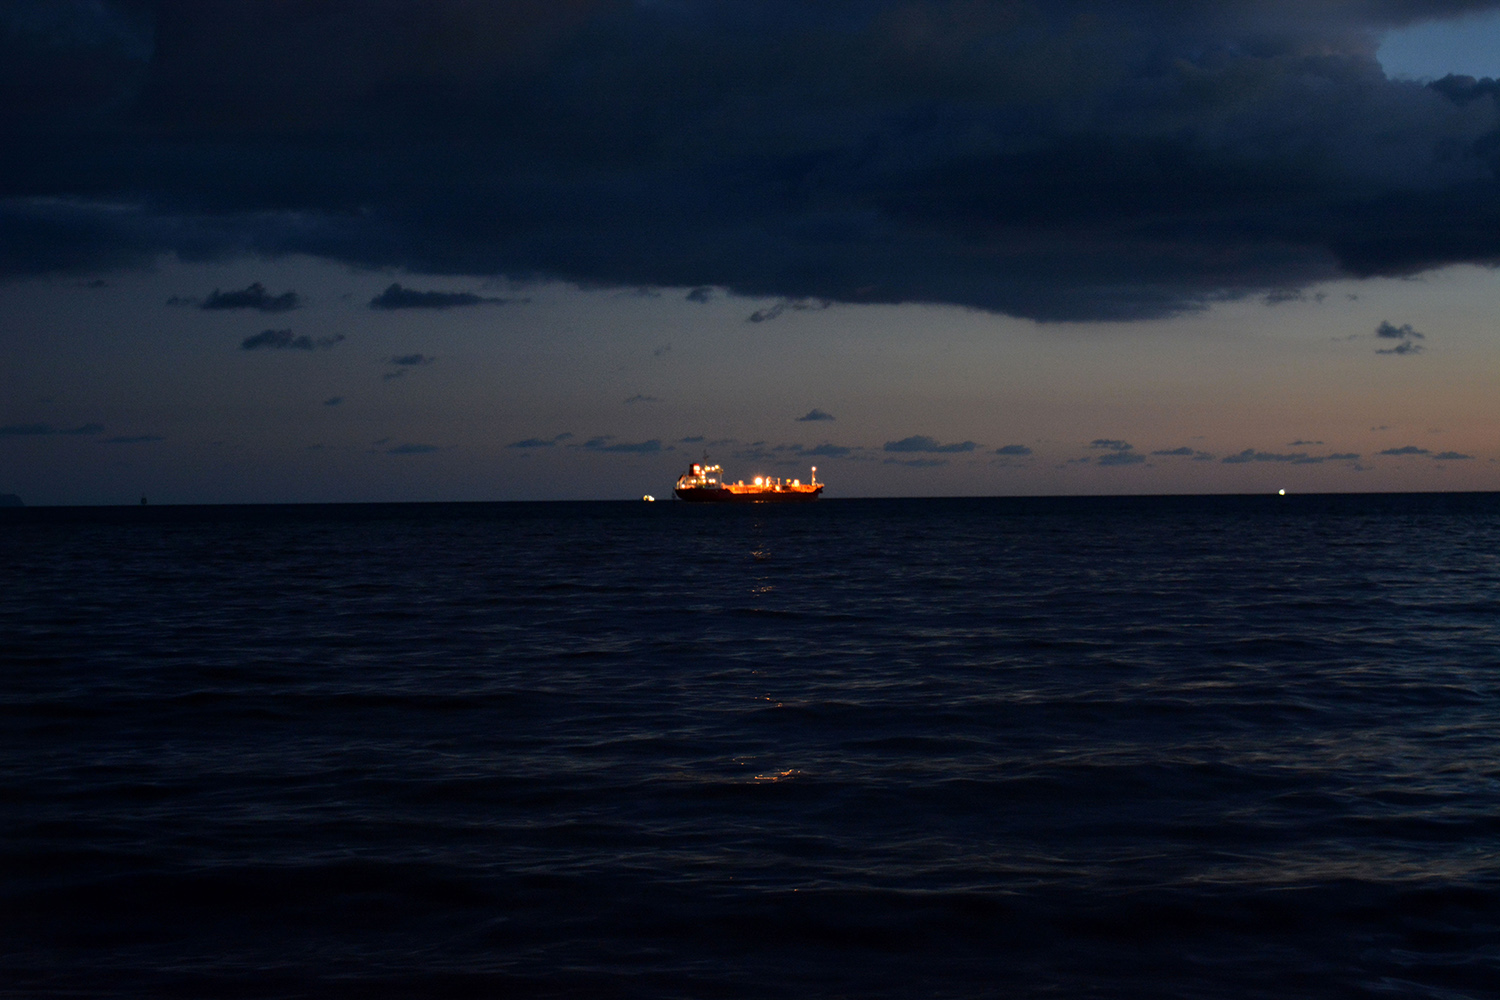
(1281, 493)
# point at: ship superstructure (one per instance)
(704, 483)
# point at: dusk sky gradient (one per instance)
(259, 251)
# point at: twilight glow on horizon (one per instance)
(258, 251)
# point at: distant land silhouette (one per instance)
(10, 500)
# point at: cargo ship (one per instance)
(705, 484)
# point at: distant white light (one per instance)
(1430, 50)
(1281, 493)
(649, 498)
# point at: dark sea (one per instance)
(1122, 747)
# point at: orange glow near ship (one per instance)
(705, 484)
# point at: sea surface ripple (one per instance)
(1112, 747)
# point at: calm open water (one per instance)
(1186, 747)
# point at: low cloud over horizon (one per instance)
(923, 443)
(397, 297)
(284, 340)
(38, 429)
(255, 297)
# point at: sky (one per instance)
(388, 250)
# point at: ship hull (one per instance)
(749, 494)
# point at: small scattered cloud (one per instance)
(28, 430)
(923, 443)
(333, 401)
(1017, 450)
(255, 297)
(1303, 444)
(1405, 336)
(412, 449)
(1116, 452)
(534, 442)
(1251, 455)
(136, 439)
(793, 455)
(1442, 456)
(607, 443)
(411, 360)
(1344, 456)
(1405, 347)
(917, 463)
(397, 297)
(814, 414)
(700, 295)
(283, 340)
(797, 305)
(1185, 452)
(662, 350)
(276, 340)
(639, 398)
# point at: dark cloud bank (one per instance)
(1059, 159)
